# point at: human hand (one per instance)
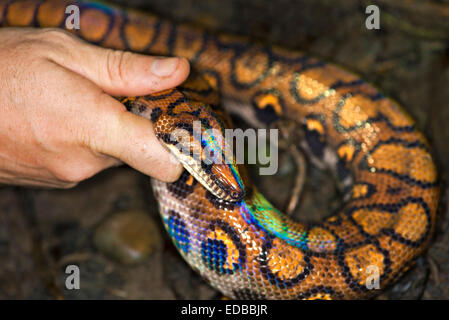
(59, 124)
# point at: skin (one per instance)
(59, 122)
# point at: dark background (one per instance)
(109, 226)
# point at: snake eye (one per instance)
(237, 195)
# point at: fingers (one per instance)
(112, 133)
(100, 122)
(119, 72)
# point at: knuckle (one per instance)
(73, 174)
(68, 185)
(20, 47)
(42, 42)
(116, 62)
(54, 35)
(68, 176)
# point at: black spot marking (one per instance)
(142, 108)
(182, 187)
(219, 203)
(178, 230)
(207, 167)
(267, 115)
(214, 253)
(342, 170)
(155, 114)
(186, 126)
(128, 105)
(315, 139)
(315, 142)
(166, 138)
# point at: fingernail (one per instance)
(164, 67)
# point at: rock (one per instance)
(128, 237)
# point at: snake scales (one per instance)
(223, 227)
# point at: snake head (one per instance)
(198, 141)
(195, 135)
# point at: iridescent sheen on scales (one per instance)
(238, 241)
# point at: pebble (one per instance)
(128, 237)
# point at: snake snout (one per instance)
(227, 178)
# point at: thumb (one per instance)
(120, 72)
(131, 138)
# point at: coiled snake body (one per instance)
(222, 226)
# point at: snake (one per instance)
(223, 227)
